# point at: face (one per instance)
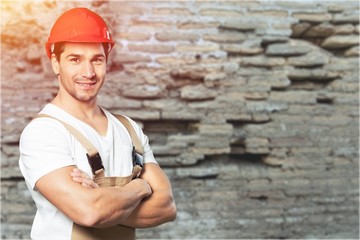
(81, 71)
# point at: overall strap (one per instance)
(138, 152)
(134, 137)
(92, 153)
(90, 148)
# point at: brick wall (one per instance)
(251, 107)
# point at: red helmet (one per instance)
(79, 25)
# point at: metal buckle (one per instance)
(138, 159)
(95, 162)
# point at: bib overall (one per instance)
(117, 232)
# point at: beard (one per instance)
(83, 90)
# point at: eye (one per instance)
(98, 60)
(74, 59)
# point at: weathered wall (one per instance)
(251, 107)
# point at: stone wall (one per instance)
(251, 107)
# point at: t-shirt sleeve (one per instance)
(148, 153)
(44, 147)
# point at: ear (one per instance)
(55, 64)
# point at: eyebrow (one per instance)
(98, 56)
(71, 55)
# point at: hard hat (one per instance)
(79, 25)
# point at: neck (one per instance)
(78, 109)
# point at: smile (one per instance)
(86, 85)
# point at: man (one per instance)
(51, 157)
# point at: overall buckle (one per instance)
(95, 162)
(138, 159)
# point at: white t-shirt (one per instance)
(46, 145)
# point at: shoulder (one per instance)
(51, 125)
(43, 130)
(46, 125)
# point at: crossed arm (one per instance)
(144, 202)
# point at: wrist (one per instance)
(142, 186)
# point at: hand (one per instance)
(81, 177)
(144, 186)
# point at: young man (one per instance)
(51, 157)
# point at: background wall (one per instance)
(251, 107)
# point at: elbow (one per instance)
(168, 214)
(172, 212)
(88, 219)
(89, 215)
(93, 219)
(165, 213)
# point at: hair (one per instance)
(59, 49)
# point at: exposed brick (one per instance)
(262, 61)
(197, 93)
(346, 17)
(108, 101)
(127, 8)
(171, 11)
(256, 95)
(251, 109)
(312, 17)
(151, 48)
(203, 48)
(140, 114)
(312, 75)
(344, 29)
(134, 36)
(144, 92)
(130, 58)
(175, 61)
(197, 25)
(220, 13)
(269, 13)
(338, 42)
(311, 59)
(225, 38)
(176, 36)
(288, 49)
(321, 30)
(353, 52)
(150, 26)
(242, 24)
(299, 28)
(241, 50)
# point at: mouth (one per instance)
(86, 85)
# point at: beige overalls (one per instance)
(116, 232)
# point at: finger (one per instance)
(80, 174)
(84, 179)
(95, 185)
(85, 176)
(76, 172)
(90, 183)
(85, 185)
(77, 179)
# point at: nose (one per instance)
(88, 70)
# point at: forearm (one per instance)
(152, 211)
(157, 208)
(113, 205)
(99, 207)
